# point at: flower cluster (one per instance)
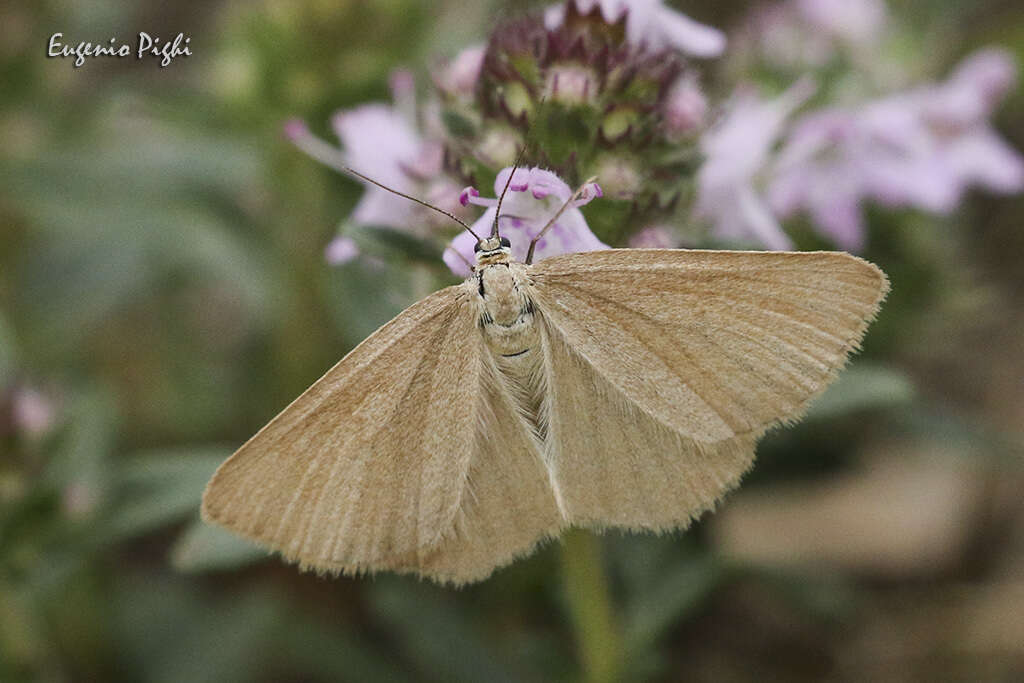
(613, 89)
(385, 142)
(534, 198)
(923, 148)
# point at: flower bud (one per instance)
(685, 108)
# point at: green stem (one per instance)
(590, 605)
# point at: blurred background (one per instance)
(164, 292)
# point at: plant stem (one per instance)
(590, 606)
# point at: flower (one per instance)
(654, 237)
(685, 106)
(32, 412)
(830, 191)
(923, 148)
(459, 76)
(382, 142)
(851, 21)
(534, 196)
(379, 143)
(589, 102)
(649, 23)
(340, 250)
(801, 34)
(736, 150)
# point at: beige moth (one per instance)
(623, 388)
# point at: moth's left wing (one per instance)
(665, 366)
(370, 463)
(409, 455)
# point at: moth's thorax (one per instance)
(505, 307)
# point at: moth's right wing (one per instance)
(405, 456)
(665, 366)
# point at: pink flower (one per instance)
(972, 92)
(533, 197)
(923, 148)
(809, 33)
(852, 21)
(685, 108)
(736, 150)
(654, 237)
(830, 192)
(32, 412)
(381, 142)
(340, 250)
(459, 76)
(650, 23)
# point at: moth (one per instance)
(623, 388)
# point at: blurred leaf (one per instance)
(640, 559)
(161, 487)
(22, 637)
(128, 249)
(90, 415)
(436, 634)
(205, 547)
(171, 632)
(821, 594)
(970, 437)
(674, 595)
(337, 653)
(8, 354)
(116, 217)
(150, 156)
(862, 387)
(359, 299)
(458, 125)
(382, 241)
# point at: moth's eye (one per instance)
(476, 247)
(505, 242)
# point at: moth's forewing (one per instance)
(409, 455)
(671, 363)
(370, 463)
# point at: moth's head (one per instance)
(492, 249)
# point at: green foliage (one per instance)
(206, 547)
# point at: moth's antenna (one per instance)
(410, 198)
(497, 212)
(515, 166)
(575, 195)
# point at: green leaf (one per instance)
(206, 547)
(680, 590)
(458, 125)
(168, 631)
(337, 653)
(359, 299)
(382, 240)
(160, 488)
(863, 387)
(81, 458)
(436, 634)
(820, 594)
(8, 353)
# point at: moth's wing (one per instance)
(665, 366)
(370, 461)
(508, 505)
(381, 463)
